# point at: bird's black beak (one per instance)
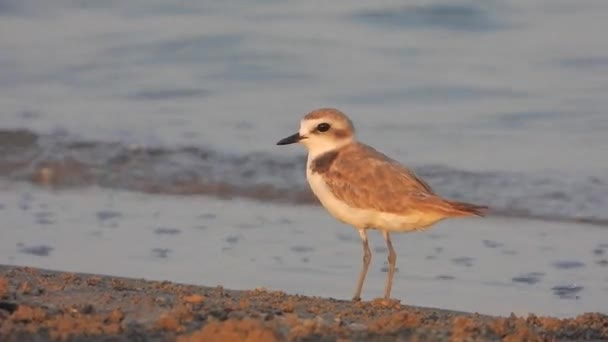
(292, 139)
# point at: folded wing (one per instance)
(365, 178)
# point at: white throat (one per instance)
(320, 147)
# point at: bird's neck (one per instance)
(320, 150)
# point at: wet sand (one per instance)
(43, 305)
(493, 266)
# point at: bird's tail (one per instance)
(467, 209)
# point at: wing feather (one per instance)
(365, 178)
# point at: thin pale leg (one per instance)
(367, 257)
(392, 260)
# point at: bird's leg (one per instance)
(367, 257)
(392, 259)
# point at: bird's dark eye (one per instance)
(323, 127)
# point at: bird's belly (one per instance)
(363, 218)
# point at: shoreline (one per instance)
(43, 305)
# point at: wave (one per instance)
(60, 161)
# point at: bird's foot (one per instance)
(387, 303)
(356, 299)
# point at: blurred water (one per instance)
(477, 85)
(493, 265)
(511, 89)
(59, 161)
(501, 103)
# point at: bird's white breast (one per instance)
(357, 217)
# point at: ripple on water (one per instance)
(568, 264)
(492, 244)
(602, 262)
(348, 237)
(232, 239)
(37, 250)
(44, 221)
(208, 216)
(600, 249)
(528, 278)
(104, 215)
(284, 220)
(463, 261)
(162, 253)
(44, 218)
(380, 249)
(445, 277)
(247, 225)
(302, 249)
(453, 17)
(167, 231)
(567, 291)
(384, 269)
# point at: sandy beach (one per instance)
(43, 305)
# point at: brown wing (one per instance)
(364, 178)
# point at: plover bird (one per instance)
(365, 188)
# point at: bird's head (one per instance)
(322, 130)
